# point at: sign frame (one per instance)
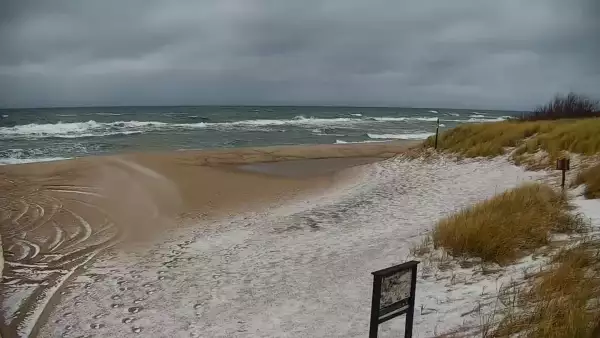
(400, 307)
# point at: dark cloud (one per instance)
(471, 53)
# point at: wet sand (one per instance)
(56, 217)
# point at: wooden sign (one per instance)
(393, 296)
(563, 164)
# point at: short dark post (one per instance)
(374, 327)
(408, 326)
(437, 131)
(563, 165)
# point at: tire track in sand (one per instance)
(50, 232)
(45, 243)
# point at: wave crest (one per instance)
(415, 136)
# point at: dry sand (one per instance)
(57, 216)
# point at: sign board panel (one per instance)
(393, 295)
(395, 288)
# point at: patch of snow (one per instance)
(299, 269)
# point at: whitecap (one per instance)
(90, 128)
(414, 136)
(356, 142)
(10, 160)
(418, 118)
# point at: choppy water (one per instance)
(28, 135)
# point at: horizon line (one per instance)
(256, 105)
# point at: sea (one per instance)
(33, 135)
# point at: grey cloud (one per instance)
(462, 53)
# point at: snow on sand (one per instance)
(296, 270)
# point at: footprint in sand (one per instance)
(134, 309)
(127, 320)
(98, 316)
(138, 300)
(116, 306)
(96, 325)
(116, 297)
(136, 329)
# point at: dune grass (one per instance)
(562, 301)
(492, 139)
(507, 226)
(591, 178)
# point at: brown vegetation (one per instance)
(569, 106)
(561, 302)
(507, 226)
(591, 178)
(492, 139)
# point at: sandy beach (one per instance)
(57, 216)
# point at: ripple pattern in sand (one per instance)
(46, 237)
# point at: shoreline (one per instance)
(275, 153)
(274, 169)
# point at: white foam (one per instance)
(392, 119)
(433, 111)
(481, 120)
(416, 136)
(90, 128)
(5, 161)
(359, 115)
(5, 115)
(352, 142)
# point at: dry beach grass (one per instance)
(492, 139)
(561, 302)
(591, 178)
(507, 226)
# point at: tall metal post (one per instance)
(437, 131)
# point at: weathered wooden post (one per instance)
(394, 295)
(563, 164)
(437, 131)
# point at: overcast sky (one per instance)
(505, 54)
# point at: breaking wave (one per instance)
(89, 129)
(354, 142)
(93, 128)
(416, 136)
(18, 156)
